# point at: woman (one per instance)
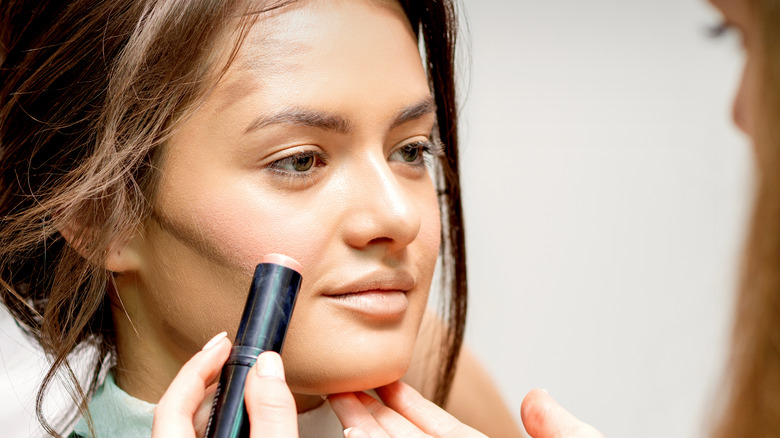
(152, 151)
(752, 407)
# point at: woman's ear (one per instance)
(122, 254)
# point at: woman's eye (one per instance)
(411, 153)
(727, 29)
(720, 29)
(298, 163)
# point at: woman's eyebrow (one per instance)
(303, 117)
(415, 111)
(334, 122)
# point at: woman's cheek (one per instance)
(246, 234)
(430, 232)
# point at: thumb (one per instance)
(269, 402)
(543, 417)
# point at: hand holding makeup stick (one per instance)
(182, 413)
(543, 417)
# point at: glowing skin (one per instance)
(738, 16)
(340, 84)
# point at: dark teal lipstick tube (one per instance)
(267, 313)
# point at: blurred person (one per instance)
(752, 402)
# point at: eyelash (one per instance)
(275, 167)
(719, 30)
(430, 150)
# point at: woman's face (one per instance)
(737, 16)
(312, 146)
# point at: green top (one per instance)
(116, 413)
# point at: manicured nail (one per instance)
(347, 431)
(269, 364)
(214, 341)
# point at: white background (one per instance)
(606, 195)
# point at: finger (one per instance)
(425, 414)
(353, 415)
(269, 402)
(355, 432)
(543, 417)
(203, 414)
(389, 420)
(174, 413)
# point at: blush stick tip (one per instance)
(283, 260)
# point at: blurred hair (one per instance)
(89, 92)
(752, 407)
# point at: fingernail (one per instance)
(214, 341)
(269, 364)
(347, 431)
(546, 391)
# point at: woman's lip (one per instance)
(384, 305)
(378, 281)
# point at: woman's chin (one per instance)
(347, 379)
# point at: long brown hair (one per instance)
(752, 407)
(89, 91)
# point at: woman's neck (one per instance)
(144, 384)
(152, 368)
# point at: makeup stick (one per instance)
(263, 327)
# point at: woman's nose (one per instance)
(741, 110)
(382, 208)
